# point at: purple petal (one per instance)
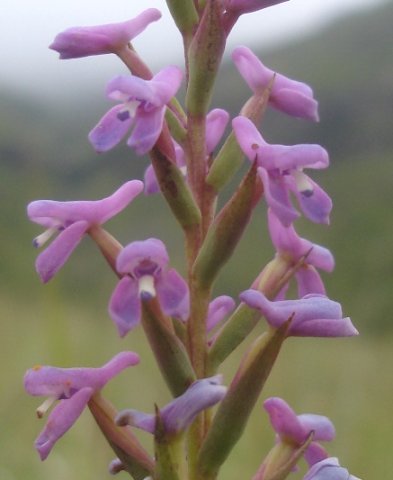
(173, 294)
(315, 453)
(148, 126)
(328, 469)
(248, 137)
(50, 261)
(284, 420)
(216, 122)
(324, 327)
(61, 419)
(150, 253)
(150, 181)
(52, 213)
(288, 157)
(166, 83)
(79, 42)
(322, 427)
(57, 382)
(309, 281)
(110, 130)
(316, 207)
(125, 306)
(296, 104)
(130, 87)
(277, 197)
(219, 308)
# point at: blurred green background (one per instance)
(44, 154)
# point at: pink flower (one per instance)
(73, 387)
(142, 110)
(281, 171)
(289, 96)
(146, 275)
(71, 220)
(79, 42)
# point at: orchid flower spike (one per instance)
(178, 415)
(293, 430)
(289, 96)
(73, 219)
(142, 109)
(313, 315)
(329, 469)
(73, 387)
(293, 248)
(280, 168)
(216, 122)
(144, 265)
(79, 42)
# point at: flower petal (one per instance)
(219, 308)
(61, 419)
(79, 42)
(173, 294)
(125, 306)
(50, 261)
(110, 130)
(284, 420)
(147, 129)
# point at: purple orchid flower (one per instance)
(144, 266)
(73, 387)
(280, 168)
(142, 109)
(329, 469)
(292, 247)
(289, 96)
(313, 315)
(79, 42)
(216, 122)
(73, 219)
(294, 430)
(181, 412)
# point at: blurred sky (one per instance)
(27, 27)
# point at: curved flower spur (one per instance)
(73, 388)
(144, 265)
(79, 42)
(71, 220)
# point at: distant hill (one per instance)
(44, 154)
